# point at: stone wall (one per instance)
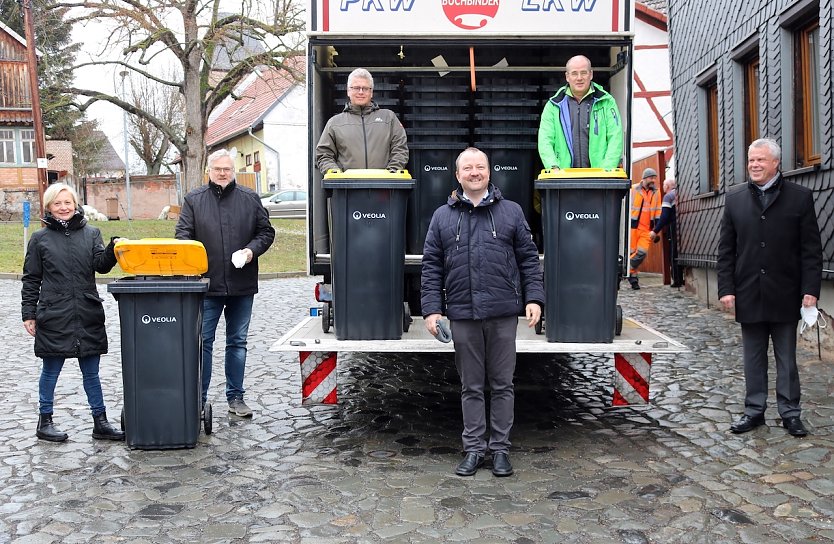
(11, 204)
(148, 196)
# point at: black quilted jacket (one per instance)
(59, 290)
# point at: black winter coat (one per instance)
(769, 257)
(480, 260)
(59, 289)
(226, 221)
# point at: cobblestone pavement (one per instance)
(378, 468)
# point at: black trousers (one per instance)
(755, 338)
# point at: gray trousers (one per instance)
(754, 338)
(485, 353)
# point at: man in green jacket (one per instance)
(580, 125)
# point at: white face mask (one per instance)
(810, 315)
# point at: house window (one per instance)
(257, 156)
(751, 101)
(746, 111)
(7, 146)
(249, 160)
(708, 104)
(712, 136)
(806, 94)
(27, 138)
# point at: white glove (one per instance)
(239, 258)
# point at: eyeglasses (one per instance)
(579, 73)
(221, 170)
(361, 89)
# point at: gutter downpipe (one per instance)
(277, 160)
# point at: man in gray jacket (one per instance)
(363, 135)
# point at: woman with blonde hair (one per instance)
(61, 306)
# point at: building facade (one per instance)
(18, 170)
(266, 123)
(741, 70)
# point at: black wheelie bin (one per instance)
(160, 313)
(581, 210)
(367, 211)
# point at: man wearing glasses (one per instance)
(580, 125)
(363, 135)
(234, 227)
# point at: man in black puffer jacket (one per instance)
(481, 269)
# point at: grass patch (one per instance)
(287, 254)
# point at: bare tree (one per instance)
(188, 34)
(88, 143)
(152, 145)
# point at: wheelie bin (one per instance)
(367, 211)
(581, 211)
(160, 313)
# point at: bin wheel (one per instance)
(207, 425)
(540, 325)
(122, 419)
(325, 317)
(618, 326)
(407, 321)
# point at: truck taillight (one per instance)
(323, 292)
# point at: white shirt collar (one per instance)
(769, 184)
(474, 201)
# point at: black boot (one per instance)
(103, 430)
(47, 431)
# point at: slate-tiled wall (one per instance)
(702, 34)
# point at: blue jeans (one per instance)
(238, 313)
(92, 385)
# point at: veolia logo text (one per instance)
(570, 216)
(370, 215)
(148, 319)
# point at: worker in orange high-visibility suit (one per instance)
(645, 211)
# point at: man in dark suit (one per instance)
(769, 264)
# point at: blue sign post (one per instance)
(27, 212)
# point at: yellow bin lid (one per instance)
(578, 173)
(367, 173)
(161, 257)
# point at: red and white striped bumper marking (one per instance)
(318, 377)
(632, 374)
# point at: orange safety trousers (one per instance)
(641, 241)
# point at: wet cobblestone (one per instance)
(378, 467)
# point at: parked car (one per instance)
(290, 204)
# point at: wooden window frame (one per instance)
(27, 144)
(806, 99)
(6, 143)
(249, 159)
(752, 82)
(257, 156)
(713, 149)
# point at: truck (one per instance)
(459, 73)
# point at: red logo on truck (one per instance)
(470, 14)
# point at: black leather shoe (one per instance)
(501, 464)
(747, 423)
(470, 464)
(794, 426)
(634, 283)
